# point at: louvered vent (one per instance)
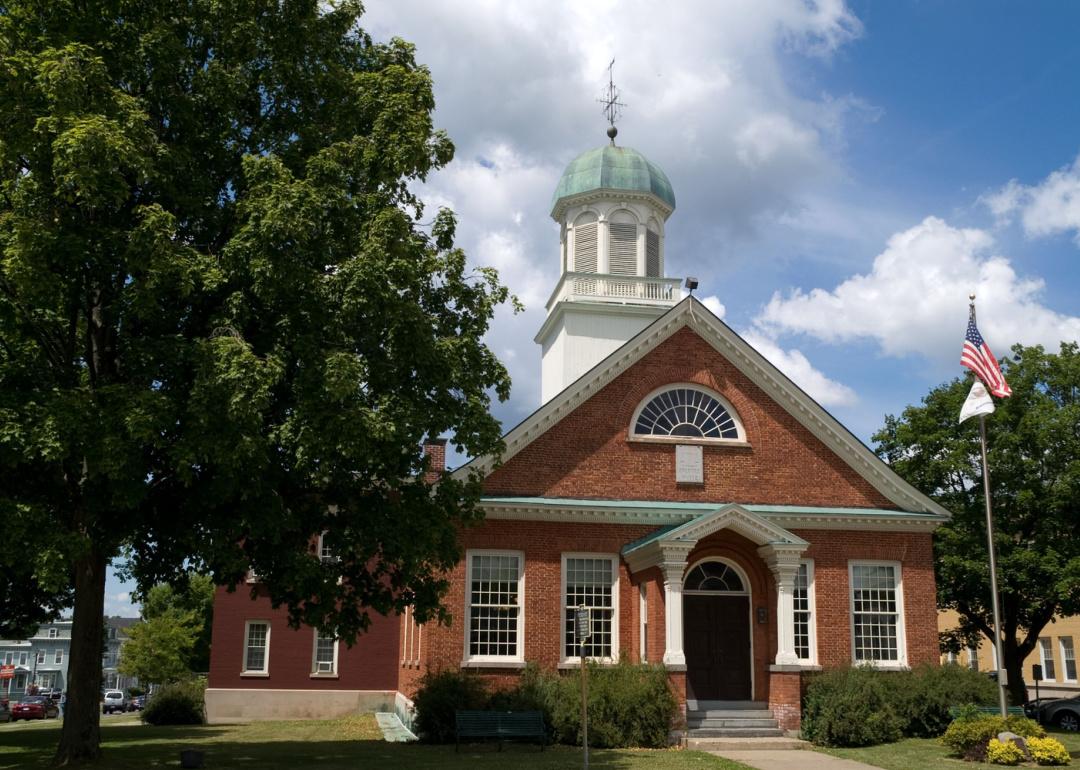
(652, 254)
(622, 256)
(585, 248)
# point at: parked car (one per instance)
(113, 702)
(34, 707)
(138, 703)
(5, 711)
(1063, 712)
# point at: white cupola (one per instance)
(611, 204)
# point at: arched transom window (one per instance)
(714, 576)
(685, 412)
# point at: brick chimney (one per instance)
(435, 448)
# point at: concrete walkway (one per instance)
(788, 759)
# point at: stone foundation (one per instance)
(236, 705)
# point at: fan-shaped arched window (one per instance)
(685, 411)
(713, 576)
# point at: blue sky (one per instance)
(845, 173)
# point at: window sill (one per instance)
(885, 665)
(323, 676)
(254, 674)
(794, 667)
(717, 442)
(493, 664)
(572, 664)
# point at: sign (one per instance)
(688, 464)
(1036, 672)
(7, 672)
(582, 624)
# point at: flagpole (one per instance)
(1002, 702)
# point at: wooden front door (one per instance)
(716, 638)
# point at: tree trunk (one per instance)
(1013, 656)
(80, 738)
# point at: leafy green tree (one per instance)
(225, 324)
(1034, 459)
(173, 639)
(159, 649)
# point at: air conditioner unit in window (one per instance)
(324, 667)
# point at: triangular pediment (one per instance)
(691, 314)
(674, 543)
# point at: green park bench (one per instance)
(500, 725)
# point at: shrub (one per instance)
(998, 753)
(630, 705)
(922, 697)
(177, 704)
(440, 695)
(850, 707)
(1048, 751)
(966, 737)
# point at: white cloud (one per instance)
(798, 368)
(716, 307)
(1051, 207)
(914, 299)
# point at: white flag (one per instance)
(978, 402)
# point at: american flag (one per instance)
(977, 357)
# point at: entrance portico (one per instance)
(723, 613)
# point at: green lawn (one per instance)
(350, 743)
(929, 754)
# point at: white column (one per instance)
(603, 239)
(784, 562)
(673, 612)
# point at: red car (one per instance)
(34, 707)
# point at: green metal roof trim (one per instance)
(613, 168)
(662, 505)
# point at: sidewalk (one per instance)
(788, 759)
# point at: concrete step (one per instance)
(706, 705)
(744, 744)
(735, 732)
(730, 714)
(695, 722)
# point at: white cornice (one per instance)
(614, 514)
(609, 194)
(692, 314)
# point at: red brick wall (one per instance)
(831, 552)
(543, 544)
(785, 698)
(371, 664)
(587, 455)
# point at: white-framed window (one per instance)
(591, 580)
(24, 658)
(9, 658)
(1046, 658)
(973, 658)
(256, 647)
(643, 611)
(53, 633)
(41, 655)
(326, 553)
(803, 603)
(950, 657)
(20, 682)
(1068, 658)
(46, 679)
(324, 653)
(58, 657)
(877, 613)
(495, 623)
(686, 413)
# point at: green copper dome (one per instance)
(613, 168)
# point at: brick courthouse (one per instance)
(715, 518)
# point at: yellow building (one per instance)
(1056, 653)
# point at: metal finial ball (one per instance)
(971, 297)
(612, 132)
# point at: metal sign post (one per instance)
(583, 630)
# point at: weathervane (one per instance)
(612, 105)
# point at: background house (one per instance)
(41, 660)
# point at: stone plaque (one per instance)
(688, 465)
